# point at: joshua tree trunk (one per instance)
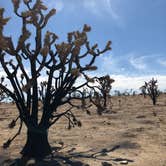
(105, 100)
(37, 144)
(154, 100)
(63, 63)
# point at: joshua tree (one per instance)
(2, 93)
(117, 93)
(143, 90)
(61, 64)
(151, 88)
(105, 87)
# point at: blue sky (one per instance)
(137, 29)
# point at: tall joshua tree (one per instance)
(62, 64)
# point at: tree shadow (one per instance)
(98, 155)
(72, 158)
(59, 160)
(128, 145)
(5, 161)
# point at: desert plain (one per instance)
(131, 132)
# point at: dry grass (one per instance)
(130, 132)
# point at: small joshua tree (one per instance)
(2, 93)
(62, 64)
(105, 87)
(117, 93)
(151, 88)
(143, 90)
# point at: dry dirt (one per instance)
(129, 134)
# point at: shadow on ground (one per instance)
(70, 157)
(54, 161)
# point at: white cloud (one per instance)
(57, 4)
(131, 70)
(126, 82)
(162, 62)
(110, 9)
(138, 62)
(96, 7)
(122, 82)
(135, 82)
(101, 7)
(110, 63)
(132, 64)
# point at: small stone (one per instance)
(106, 164)
(64, 161)
(124, 162)
(31, 162)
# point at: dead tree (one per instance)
(151, 88)
(61, 64)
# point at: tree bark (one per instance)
(154, 101)
(105, 100)
(37, 145)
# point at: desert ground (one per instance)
(132, 132)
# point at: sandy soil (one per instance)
(128, 134)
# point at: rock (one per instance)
(31, 162)
(106, 164)
(124, 162)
